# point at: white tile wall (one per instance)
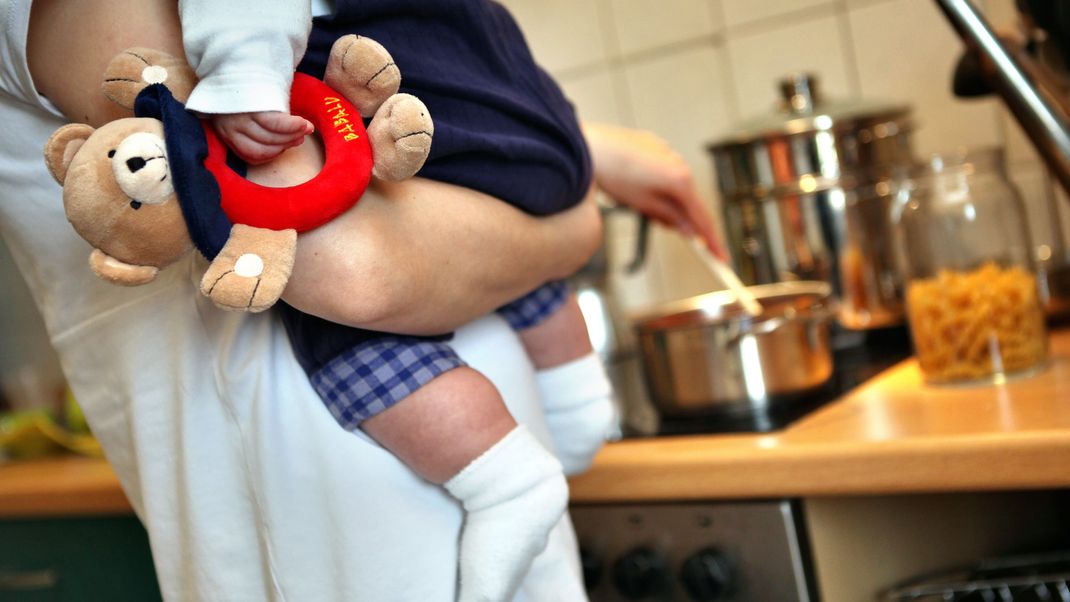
(906, 50)
(563, 34)
(645, 24)
(759, 59)
(595, 97)
(680, 97)
(691, 69)
(742, 12)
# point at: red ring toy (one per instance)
(337, 187)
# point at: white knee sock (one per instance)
(578, 401)
(514, 494)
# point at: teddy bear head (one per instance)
(116, 179)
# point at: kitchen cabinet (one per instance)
(75, 559)
(863, 545)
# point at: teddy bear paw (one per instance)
(400, 134)
(135, 69)
(243, 286)
(363, 71)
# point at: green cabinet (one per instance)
(76, 560)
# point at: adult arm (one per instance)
(418, 257)
(640, 170)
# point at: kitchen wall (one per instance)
(691, 69)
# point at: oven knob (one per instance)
(707, 575)
(641, 573)
(592, 568)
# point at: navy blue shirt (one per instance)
(502, 126)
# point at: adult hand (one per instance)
(260, 137)
(638, 169)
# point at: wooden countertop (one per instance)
(65, 485)
(893, 435)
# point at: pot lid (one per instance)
(803, 110)
(811, 146)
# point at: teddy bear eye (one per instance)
(111, 153)
(135, 205)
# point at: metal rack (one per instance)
(1033, 578)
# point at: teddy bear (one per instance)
(146, 190)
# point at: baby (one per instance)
(502, 127)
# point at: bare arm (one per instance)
(419, 257)
(640, 170)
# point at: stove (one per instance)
(857, 357)
(751, 551)
(697, 552)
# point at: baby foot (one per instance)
(363, 71)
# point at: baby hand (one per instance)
(260, 137)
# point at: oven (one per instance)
(705, 552)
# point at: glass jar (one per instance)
(971, 288)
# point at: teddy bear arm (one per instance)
(400, 135)
(252, 270)
(363, 71)
(134, 69)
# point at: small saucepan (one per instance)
(706, 355)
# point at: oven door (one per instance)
(705, 552)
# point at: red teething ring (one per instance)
(339, 185)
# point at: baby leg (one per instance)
(576, 393)
(456, 431)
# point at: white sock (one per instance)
(556, 574)
(577, 399)
(514, 494)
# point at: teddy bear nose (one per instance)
(135, 163)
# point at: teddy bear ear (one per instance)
(134, 69)
(62, 146)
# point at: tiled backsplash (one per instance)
(690, 70)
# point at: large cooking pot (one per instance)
(806, 196)
(706, 355)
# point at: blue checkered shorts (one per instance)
(535, 306)
(376, 374)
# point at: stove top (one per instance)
(864, 357)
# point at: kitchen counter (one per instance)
(892, 435)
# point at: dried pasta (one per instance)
(971, 325)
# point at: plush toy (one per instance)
(145, 190)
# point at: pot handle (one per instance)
(818, 313)
(642, 243)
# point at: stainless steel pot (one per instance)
(806, 196)
(706, 355)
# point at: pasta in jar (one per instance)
(977, 324)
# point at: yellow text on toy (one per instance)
(339, 120)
